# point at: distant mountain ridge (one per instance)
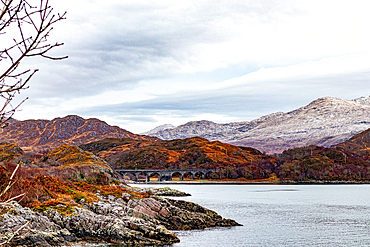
(325, 121)
(72, 130)
(159, 128)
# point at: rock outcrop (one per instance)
(165, 191)
(34, 228)
(119, 220)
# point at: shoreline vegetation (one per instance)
(238, 182)
(243, 181)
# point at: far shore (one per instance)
(195, 182)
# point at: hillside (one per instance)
(72, 130)
(359, 144)
(195, 152)
(325, 121)
(68, 162)
(349, 160)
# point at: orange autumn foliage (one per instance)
(195, 152)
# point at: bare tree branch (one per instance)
(24, 32)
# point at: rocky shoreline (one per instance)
(113, 219)
(166, 191)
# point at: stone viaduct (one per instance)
(166, 175)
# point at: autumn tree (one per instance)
(25, 26)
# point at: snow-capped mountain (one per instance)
(325, 121)
(159, 128)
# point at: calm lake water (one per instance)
(281, 215)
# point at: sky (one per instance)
(139, 64)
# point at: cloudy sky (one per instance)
(139, 64)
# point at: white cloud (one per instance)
(153, 56)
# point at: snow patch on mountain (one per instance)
(159, 128)
(325, 121)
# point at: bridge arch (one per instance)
(151, 174)
(208, 174)
(199, 175)
(188, 174)
(132, 175)
(142, 176)
(179, 174)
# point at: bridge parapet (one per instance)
(165, 175)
